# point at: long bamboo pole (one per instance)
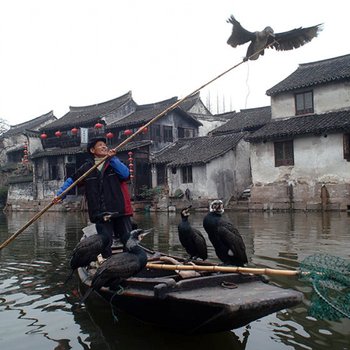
(216, 268)
(140, 130)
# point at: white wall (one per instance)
(327, 98)
(316, 159)
(223, 177)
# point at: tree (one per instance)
(4, 126)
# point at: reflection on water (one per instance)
(36, 309)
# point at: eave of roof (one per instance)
(315, 124)
(314, 73)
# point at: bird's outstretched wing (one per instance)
(294, 38)
(239, 35)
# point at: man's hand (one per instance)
(57, 200)
(112, 152)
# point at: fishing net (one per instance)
(330, 278)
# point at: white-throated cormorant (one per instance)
(225, 238)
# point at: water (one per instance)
(36, 309)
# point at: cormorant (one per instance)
(289, 40)
(86, 251)
(122, 265)
(226, 240)
(191, 239)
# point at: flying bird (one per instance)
(267, 38)
(225, 238)
(191, 239)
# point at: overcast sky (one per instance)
(60, 53)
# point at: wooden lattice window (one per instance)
(304, 102)
(346, 146)
(284, 153)
(168, 133)
(187, 174)
(155, 132)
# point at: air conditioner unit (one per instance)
(70, 159)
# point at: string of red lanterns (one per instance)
(131, 165)
(25, 153)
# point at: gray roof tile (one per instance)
(86, 115)
(33, 124)
(198, 150)
(314, 73)
(245, 120)
(145, 113)
(316, 124)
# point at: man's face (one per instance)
(99, 150)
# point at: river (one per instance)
(37, 312)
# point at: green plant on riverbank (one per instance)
(150, 193)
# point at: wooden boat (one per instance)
(194, 302)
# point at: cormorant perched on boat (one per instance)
(122, 265)
(226, 240)
(86, 251)
(191, 239)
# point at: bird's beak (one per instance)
(145, 233)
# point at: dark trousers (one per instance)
(117, 227)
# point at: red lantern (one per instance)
(131, 171)
(74, 131)
(130, 154)
(131, 165)
(58, 133)
(130, 160)
(109, 135)
(128, 132)
(144, 129)
(131, 176)
(43, 136)
(98, 125)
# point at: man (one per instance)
(106, 191)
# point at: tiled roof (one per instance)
(32, 124)
(190, 101)
(85, 115)
(198, 150)
(314, 73)
(58, 152)
(245, 120)
(82, 149)
(313, 124)
(144, 113)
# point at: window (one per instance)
(168, 133)
(346, 146)
(53, 169)
(161, 174)
(187, 174)
(155, 132)
(284, 153)
(185, 133)
(304, 103)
